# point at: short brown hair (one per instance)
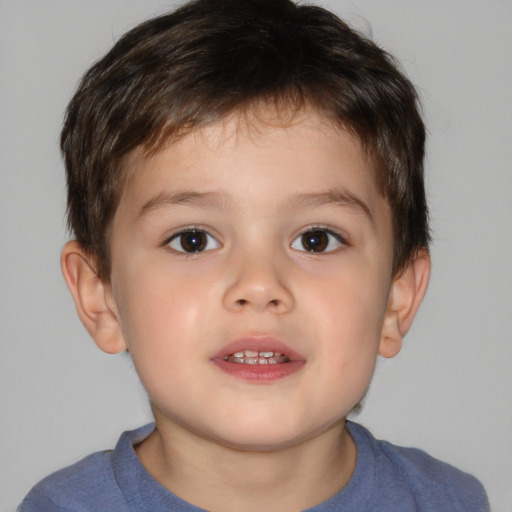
(210, 58)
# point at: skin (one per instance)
(224, 442)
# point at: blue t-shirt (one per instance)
(386, 478)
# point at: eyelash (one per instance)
(317, 232)
(331, 235)
(193, 230)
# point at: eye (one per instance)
(191, 241)
(318, 240)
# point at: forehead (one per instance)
(295, 151)
(257, 125)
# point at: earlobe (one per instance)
(93, 299)
(407, 292)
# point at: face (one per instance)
(251, 269)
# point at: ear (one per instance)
(93, 298)
(405, 296)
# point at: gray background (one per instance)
(450, 389)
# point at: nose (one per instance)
(257, 283)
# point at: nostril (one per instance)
(244, 302)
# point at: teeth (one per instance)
(255, 357)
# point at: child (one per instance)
(245, 187)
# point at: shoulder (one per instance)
(90, 484)
(85, 483)
(436, 481)
(430, 483)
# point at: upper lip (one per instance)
(260, 343)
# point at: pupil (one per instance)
(315, 241)
(195, 241)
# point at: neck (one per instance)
(223, 479)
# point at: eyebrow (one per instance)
(334, 196)
(185, 198)
(220, 200)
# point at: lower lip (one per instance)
(259, 372)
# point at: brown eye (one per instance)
(193, 241)
(318, 240)
(315, 241)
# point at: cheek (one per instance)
(160, 328)
(349, 353)
(348, 312)
(156, 311)
(351, 298)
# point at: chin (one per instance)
(264, 437)
(260, 443)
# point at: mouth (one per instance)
(258, 359)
